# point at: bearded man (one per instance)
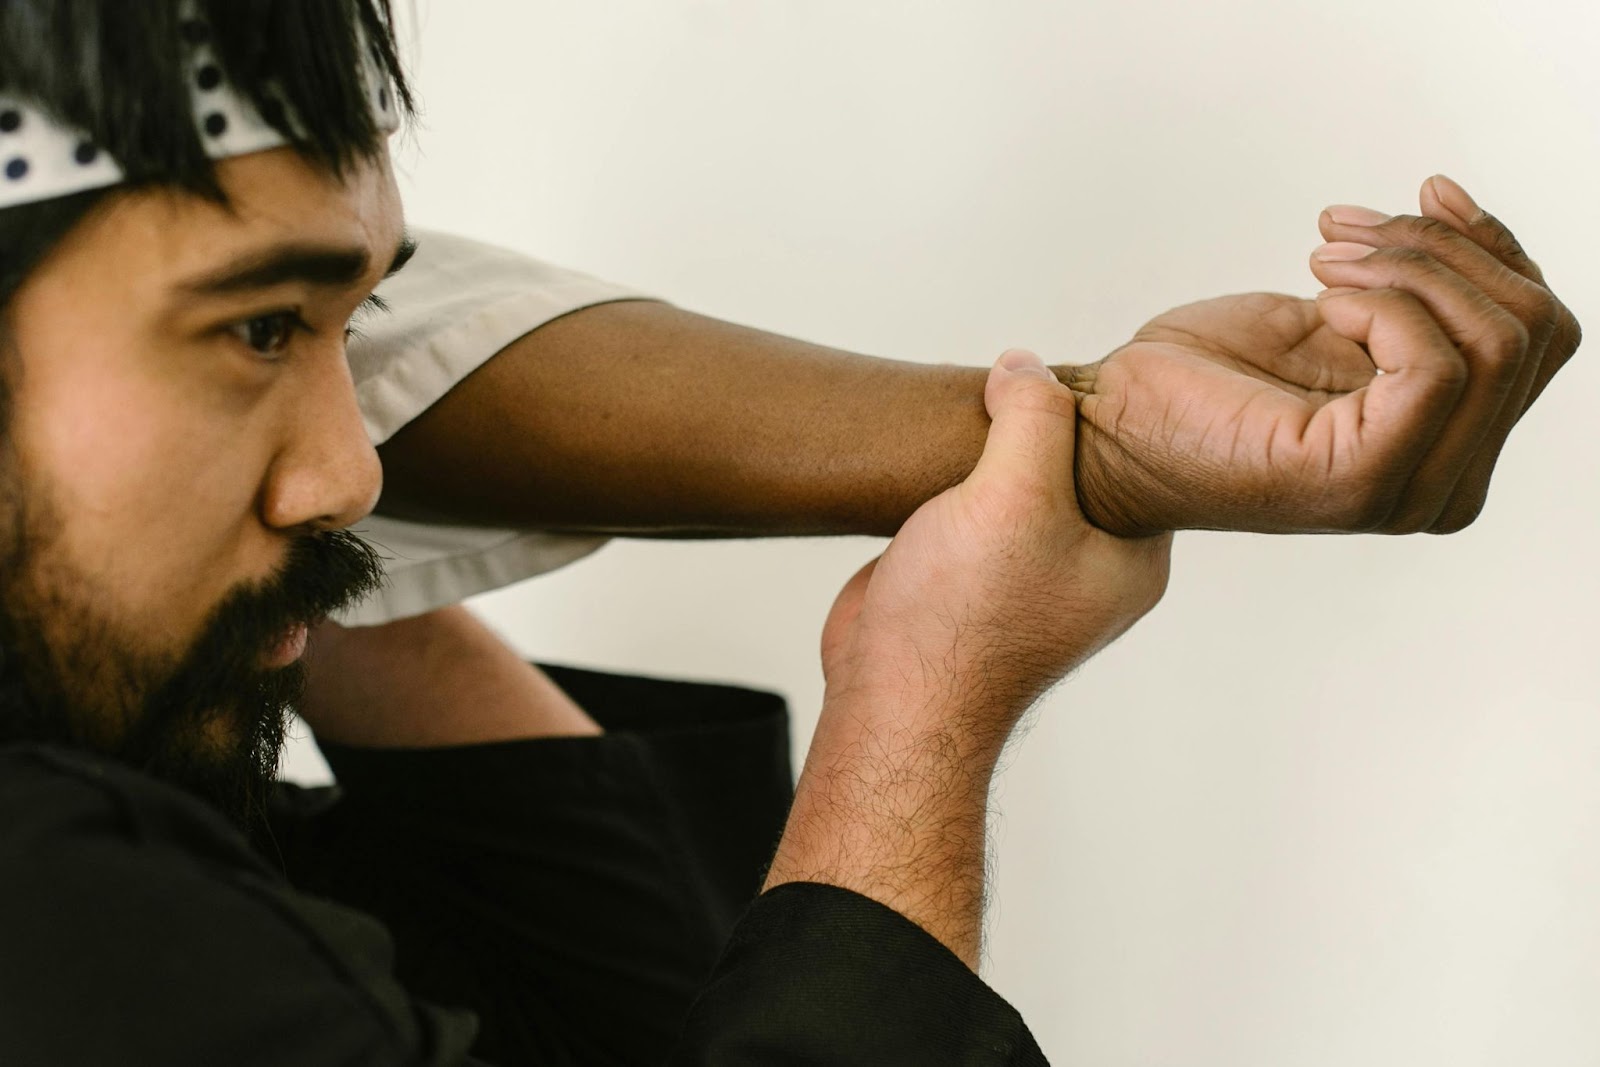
(196, 200)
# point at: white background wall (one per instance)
(1337, 801)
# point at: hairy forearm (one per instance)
(896, 809)
(640, 418)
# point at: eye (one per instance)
(269, 335)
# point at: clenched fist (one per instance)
(1380, 406)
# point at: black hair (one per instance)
(117, 70)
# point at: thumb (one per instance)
(1031, 435)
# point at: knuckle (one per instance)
(1431, 230)
(1409, 258)
(1550, 365)
(1506, 245)
(1414, 521)
(1392, 301)
(1048, 398)
(1451, 376)
(1508, 343)
(1448, 372)
(1541, 305)
(1050, 395)
(1458, 516)
(1571, 331)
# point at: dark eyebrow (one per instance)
(320, 265)
(402, 256)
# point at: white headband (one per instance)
(41, 159)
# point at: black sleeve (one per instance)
(818, 975)
(131, 934)
(579, 893)
(573, 892)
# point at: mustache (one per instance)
(324, 573)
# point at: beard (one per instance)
(209, 720)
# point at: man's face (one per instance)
(183, 443)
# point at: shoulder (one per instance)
(136, 926)
(52, 796)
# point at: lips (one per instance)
(290, 646)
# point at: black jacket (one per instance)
(523, 916)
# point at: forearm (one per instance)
(640, 418)
(442, 678)
(895, 807)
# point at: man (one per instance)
(183, 448)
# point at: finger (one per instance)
(1472, 489)
(1376, 438)
(1031, 437)
(1468, 249)
(1446, 233)
(1444, 199)
(1486, 254)
(1439, 195)
(1519, 294)
(1492, 343)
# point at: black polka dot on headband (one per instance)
(42, 158)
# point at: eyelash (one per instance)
(291, 321)
(286, 324)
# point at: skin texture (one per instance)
(990, 593)
(1005, 580)
(1265, 412)
(996, 589)
(442, 678)
(1256, 412)
(675, 425)
(180, 463)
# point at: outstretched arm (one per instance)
(644, 419)
(640, 418)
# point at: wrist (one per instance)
(1110, 493)
(884, 680)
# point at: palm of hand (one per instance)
(1219, 415)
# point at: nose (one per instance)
(327, 474)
